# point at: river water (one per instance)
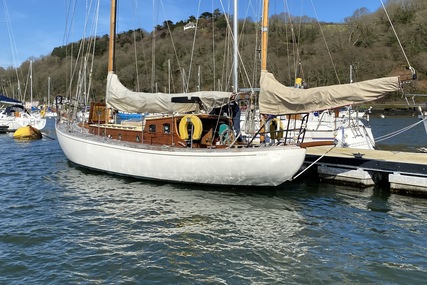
(60, 224)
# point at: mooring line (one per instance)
(314, 162)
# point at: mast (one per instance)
(48, 91)
(264, 36)
(111, 45)
(31, 83)
(236, 46)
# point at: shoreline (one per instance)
(392, 109)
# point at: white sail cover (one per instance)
(120, 98)
(277, 99)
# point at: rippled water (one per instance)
(65, 225)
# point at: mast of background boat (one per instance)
(235, 50)
(31, 84)
(111, 45)
(48, 91)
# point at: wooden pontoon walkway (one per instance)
(405, 172)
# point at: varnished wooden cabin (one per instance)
(196, 131)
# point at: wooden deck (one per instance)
(390, 156)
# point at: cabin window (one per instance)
(166, 128)
(138, 139)
(120, 136)
(152, 128)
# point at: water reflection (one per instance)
(295, 233)
(64, 224)
(193, 231)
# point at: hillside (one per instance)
(320, 53)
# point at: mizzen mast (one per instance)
(264, 36)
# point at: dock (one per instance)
(404, 172)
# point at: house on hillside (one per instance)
(189, 25)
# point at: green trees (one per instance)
(320, 52)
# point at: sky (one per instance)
(30, 29)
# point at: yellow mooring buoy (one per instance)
(27, 133)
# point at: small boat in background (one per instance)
(14, 115)
(27, 133)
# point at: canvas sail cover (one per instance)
(277, 99)
(120, 98)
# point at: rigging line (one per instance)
(70, 13)
(313, 163)
(298, 70)
(11, 35)
(294, 41)
(14, 50)
(213, 48)
(245, 72)
(255, 73)
(153, 50)
(230, 33)
(135, 8)
(398, 132)
(324, 39)
(192, 49)
(395, 33)
(174, 47)
(81, 50)
(288, 54)
(95, 29)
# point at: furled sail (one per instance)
(120, 98)
(277, 99)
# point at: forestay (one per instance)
(277, 99)
(120, 98)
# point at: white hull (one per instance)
(15, 123)
(345, 131)
(360, 138)
(260, 166)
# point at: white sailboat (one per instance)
(49, 112)
(14, 115)
(181, 147)
(184, 145)
(342, 129)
